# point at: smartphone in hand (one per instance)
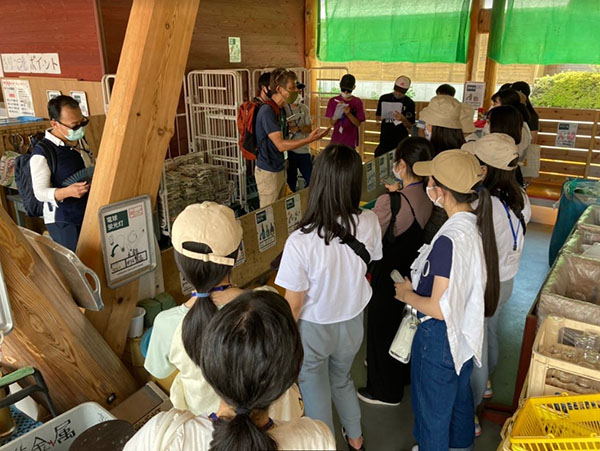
(389, 180)
(396, 276)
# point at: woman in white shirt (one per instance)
(251, 353)
(510, 97)
(454, 286)
(498, 154)
(326, 285)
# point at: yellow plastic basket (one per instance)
(552, 423)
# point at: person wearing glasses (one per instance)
(345, 113)
(62, 183)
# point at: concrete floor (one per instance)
(390, 428)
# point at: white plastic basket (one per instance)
(59, 433)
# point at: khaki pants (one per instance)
(270, 185)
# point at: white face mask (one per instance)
(436, 202)
(427, 135)
(346, 95)
(397, 174)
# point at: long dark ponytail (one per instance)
(251, 354)
(485, 223)
(203, 276)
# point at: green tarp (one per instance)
(417, 31)
(546, 32)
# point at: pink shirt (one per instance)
(419, 201)
(344, 131)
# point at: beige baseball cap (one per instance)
(496, 149)
(467, 112)
(442, 111)
(456, 169)
(211, 224)
(402, 82)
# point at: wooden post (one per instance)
(51, 333)
(136, 136)
(311, 34)
(592, 144)
(473, 32)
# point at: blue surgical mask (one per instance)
(76, 135)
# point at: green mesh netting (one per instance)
(417, 31)
(546, 32)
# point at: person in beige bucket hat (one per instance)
(443, 125)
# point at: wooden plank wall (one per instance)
(69, 28)
(557, 163)
(272, 34)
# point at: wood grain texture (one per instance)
(67, 27)
(137, 132)
(272, 34)
(50, 332)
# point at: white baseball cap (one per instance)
(402, 82)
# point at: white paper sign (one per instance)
(51, 94)
(265, 229)
(17, 98)
(371, 176)
(389, 108)
(31, 63)
(127, 240)
(235, 50)
(383, 166)
(241, 256)
(474, 93)
(293, 209)
(82, 100)
(566, 134)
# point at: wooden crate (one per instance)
(538, 385)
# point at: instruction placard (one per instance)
(82, 100)
(17, 97)
(127, 240)
(371, 176)
(265, 229)
(383, 166)
(235, 50)
(241, 256)
(474, 93)
(566, 134)
(293, 210)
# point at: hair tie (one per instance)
(200, 295)
(242, 411)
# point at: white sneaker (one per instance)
(415, 448)
(489, 391)
(477, 426)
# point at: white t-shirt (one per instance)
(507, 257)
(181, 431)
(333, 276)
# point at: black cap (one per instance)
(348, 82)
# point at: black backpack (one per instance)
(33, 207)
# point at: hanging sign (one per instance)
(371, 176)
(566, 134)
(127, 236)
(293, 209)
(265, 229)
(31, 63)
(241, 256)
(235, 50)
(474, 93)
(17, 98)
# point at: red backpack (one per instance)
(246, 124)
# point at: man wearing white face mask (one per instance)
(58, 171)
(299, 126)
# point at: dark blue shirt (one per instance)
(68, 161)
(269, 157)
(439, 263)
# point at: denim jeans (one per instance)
(302, 162)
(329, 350)
(442, 401)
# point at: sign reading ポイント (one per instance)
(127, 240)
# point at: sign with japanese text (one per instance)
(31, 63)
(474, 93)
(17, 97)
(127, 240)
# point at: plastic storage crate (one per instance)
(59, 433)
(553, 375)
(557, 423)
(572, 290)
(590, 219)
(579, 241)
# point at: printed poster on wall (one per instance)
(17, 98)
(390, 157)
(473, 94)
(265, 229)
(566, 134)
(127, 236)
(82, 100)
(383, 166)
(371, 176)
(235, 50)
(293, 210)
(241, 257)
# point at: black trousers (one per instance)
(65, 234)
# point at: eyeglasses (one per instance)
(83, 123)
(347, 91)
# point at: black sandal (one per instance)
(350, 447)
